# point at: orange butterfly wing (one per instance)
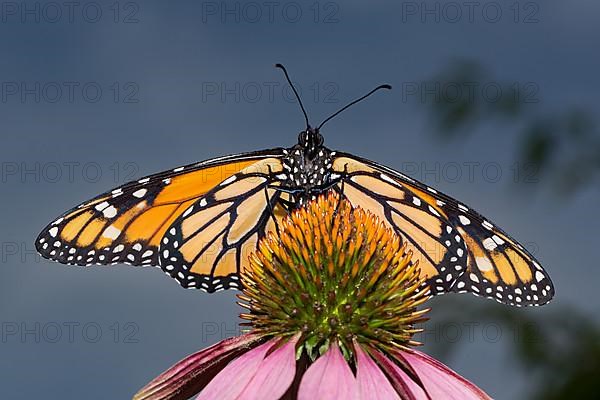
(457, 248)
(206, 246)
(127, 224)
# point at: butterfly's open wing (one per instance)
(205, 247)
(458, 250)
(127, 224)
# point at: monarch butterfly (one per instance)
(198, 222)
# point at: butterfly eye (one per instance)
(303, 137)
(320, 139)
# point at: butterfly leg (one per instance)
(337, 209)
(286, 189)
(325, 187)
(270, 205)
(341, 189)
(294, 194)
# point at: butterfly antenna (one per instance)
(386, 86)
(280, 66)
(271, 211)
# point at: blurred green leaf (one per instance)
(559, 351)
(564, 147)
(539, 144)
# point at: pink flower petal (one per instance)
(232, 380)
(372, 383)
(440, 381)
(404, 384)
(190, 375)
(329, 377)
(275, 374)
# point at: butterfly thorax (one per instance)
(307, 166)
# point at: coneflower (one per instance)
(332, 305)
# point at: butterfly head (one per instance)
(310, 140)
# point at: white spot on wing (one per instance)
(388, 179)
(111, 232)
(484, 263)
(497, 239)
(188, 211)
(539, 276)
(140, 193)
(147, 253)
(109, 212)
(489, 244)
(228, 180)
(434, 211)
(102, 206)
(464, 220)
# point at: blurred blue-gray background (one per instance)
(494, 103)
